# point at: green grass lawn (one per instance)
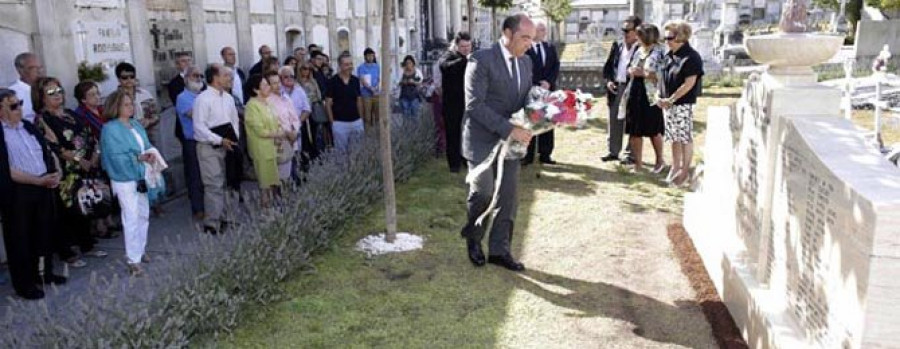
(573, 224)
(601, 273)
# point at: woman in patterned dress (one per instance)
(77, 152)
(681, 76)
(643, 118)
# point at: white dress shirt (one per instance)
(624, 60)
(511, 65)
(23, 91)
(237, 88)
(214, 108)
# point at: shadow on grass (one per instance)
(590, 174)
(652, 319)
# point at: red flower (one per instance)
(587, 106)
(536, 116)
(570, 99)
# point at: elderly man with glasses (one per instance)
(29, 67)
(28, 176)
(184, 108)
(291, 90)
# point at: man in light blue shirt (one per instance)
(369, 80)
(184, 107)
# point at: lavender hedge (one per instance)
(203, 293)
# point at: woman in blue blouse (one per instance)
(123, 146)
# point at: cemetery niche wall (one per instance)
(797, 217)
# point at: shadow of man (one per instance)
(682, 324)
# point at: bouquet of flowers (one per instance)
(547, 110)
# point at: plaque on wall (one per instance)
(99, 3)
(824, 242)
(104, 43)
(170, 34)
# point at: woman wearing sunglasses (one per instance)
(76, 150)
(146, 112)
(681, 77)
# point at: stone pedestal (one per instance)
(797, 219)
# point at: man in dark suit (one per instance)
(175, 86)
(497, 83)
(546, 70)
(614, 72)
(264, 54)
(27, 195)
(453, 76)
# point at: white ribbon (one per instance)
(500, 150)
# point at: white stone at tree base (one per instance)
(374, 245)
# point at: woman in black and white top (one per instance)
(681, 77)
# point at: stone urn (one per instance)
(792, 53)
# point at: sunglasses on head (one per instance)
(670, 38)
(15, 106)
(55, 91)
(126, 76)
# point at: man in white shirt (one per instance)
(230, 59)
(216, 131)
(615, 71)
(29, 67)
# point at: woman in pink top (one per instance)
(287, 116)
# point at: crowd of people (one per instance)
(652, 89)
(70, 177)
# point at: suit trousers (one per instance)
(480, 193)
(616, 127)
(212, 173)
(27, 229)
(192, 175)
(453, 129)
(542, 144)
(135, 219)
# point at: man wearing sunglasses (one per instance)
(615, 73)
(28, 177)
(29, 67)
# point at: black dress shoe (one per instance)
(476, 256)
(54, 279)
(609, 157)
(548, 162)
(32, 294)
(507, 262)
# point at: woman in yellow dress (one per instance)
(263, 136)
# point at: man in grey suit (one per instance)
(497, 83)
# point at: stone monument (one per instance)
(797, 219)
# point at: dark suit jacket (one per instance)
(548, 69)
(453, 78)
(491, 99)
(256, 68)
(175, 87)
(612, 64)
(7, 186)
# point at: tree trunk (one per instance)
(384, 121)
(470, 13)
(637, 8)
(493, 23)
